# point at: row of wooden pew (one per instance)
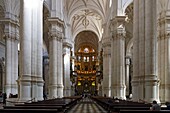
(124, 106)
(58, 105)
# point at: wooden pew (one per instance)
(119, 108)
(111, 106)
(29, 111)
(60, 105)
(144, 111)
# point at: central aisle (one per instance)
(86, 105)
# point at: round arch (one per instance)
(88, 29)
(86, 37)
(45, 4)
(127, 3)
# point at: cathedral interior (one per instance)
(66, 48)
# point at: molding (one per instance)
(55, 21)
(10, 21)
(67, 45)
(2, 43)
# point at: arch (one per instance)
(45, 4)
(46, 13)
(82, 39)
(126, 4)
(129, 48)
(87, 29)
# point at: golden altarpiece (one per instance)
(87, 71)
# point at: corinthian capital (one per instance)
(106, 42)
(55, 35)
(117, 27)
(11, 29)
(56, 27)
(119, 33)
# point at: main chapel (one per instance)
(61, 48)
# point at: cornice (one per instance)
(55, 21)
(9, 21)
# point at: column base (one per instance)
(151, 88)
(118, 91)
(60, 88)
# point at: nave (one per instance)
(86, 105)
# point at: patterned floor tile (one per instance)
(86, 105)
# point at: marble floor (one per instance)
(86, 105)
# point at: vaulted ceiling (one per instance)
(86, 18)
(86, 15)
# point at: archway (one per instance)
(86, 63)
(129, 46)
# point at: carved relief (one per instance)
(83, 17)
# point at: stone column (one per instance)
(164, 53)
(141, 49)
(25, 51)
(67, 82)
(11, 36)
(31, 82)
(106, 67)
(55, 58)
(127, 75)
(118, 58)
(40, 81)
(151, 79)
(135, 78)
(8, 63)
